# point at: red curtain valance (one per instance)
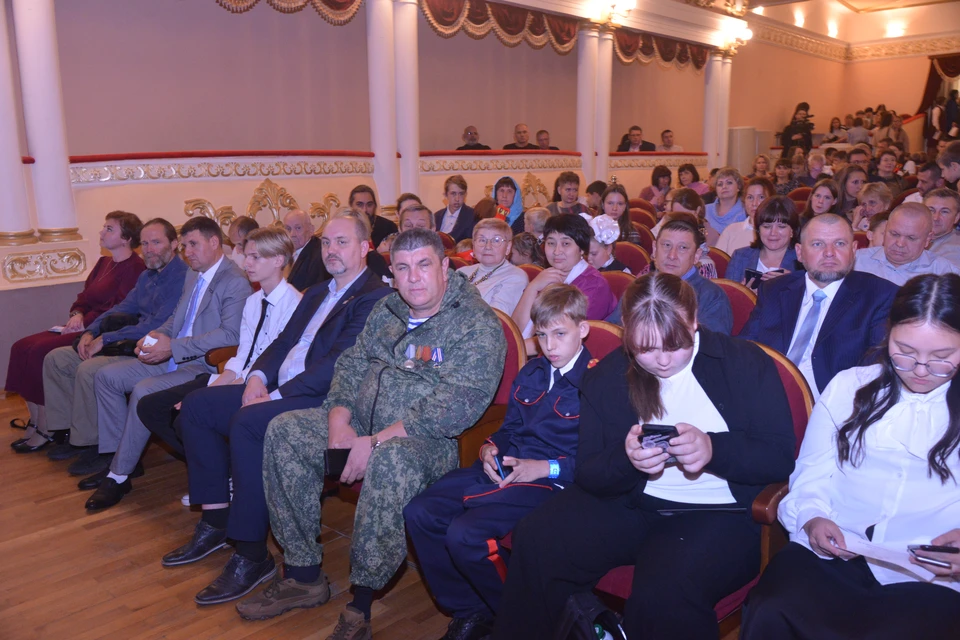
(642, 47)
(941, 68)
(336, 12)
(512, 25)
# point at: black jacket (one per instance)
(743, 384)
(463, 228)
(337, 333)
(308, 270)
(644, 146)
(380, 228)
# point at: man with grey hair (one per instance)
(944, 206)
(423, 370)
(825, 318)
(903, 254)
(307, 269)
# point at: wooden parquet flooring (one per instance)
(67, 575)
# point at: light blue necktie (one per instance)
(187, 319)
(806, 330)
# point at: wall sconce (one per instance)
(895, 30)
(736, 34)
(611, 12)
(832, 29)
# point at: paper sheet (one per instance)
(883, 554)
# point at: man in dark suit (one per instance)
(471, 140)
(307, 269)
(223, 427)
(457, 219)
(364, 200)
(827, 318)
(635, 142)
(521, 138)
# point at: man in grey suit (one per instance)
(207, 316)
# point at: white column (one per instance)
(408, 93)
(15, 226)
(604, 101)
(713, 75)
(383, 116)
(724, 117)
(36, 31)
(587, 45)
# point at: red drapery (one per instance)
(949, 66)
(336, 12)
(643, 47)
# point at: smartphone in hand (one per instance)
(657, 436)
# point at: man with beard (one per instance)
(223, 427)
(68, 374)
(827, 317)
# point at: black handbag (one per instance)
(114, 322)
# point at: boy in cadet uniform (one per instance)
(456, 524)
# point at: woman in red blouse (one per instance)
(109, 282)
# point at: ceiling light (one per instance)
(758, 10)
(798, 18)
(896, 30)
(832, 29)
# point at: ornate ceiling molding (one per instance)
(186, 170)
(896, 48)
(441, 165)
(44, 265)
(831, 50)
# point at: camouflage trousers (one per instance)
(293, 472)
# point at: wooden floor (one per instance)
(65, 574)
(68, 575)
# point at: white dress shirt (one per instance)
(205, 278)
(806, 366)
(238, 258)
(503, 289)
(947, 247)
(280, 306)
(874, 260)
(890, 488)
(449, 220)
(295, 362)
(684, 400)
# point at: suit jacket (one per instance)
(746, 258)
(757, 450)
(644, 146)
(338, 332)
(218, 315)
(855, 322)
(308, 270)
(463, 228)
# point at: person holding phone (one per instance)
(457, 523)
(772, 252)
(879, 462)
(729, 445)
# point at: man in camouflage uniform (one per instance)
(424, 368)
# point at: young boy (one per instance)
(457, 523)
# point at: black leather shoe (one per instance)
(97, 479)
(66, 451)
(57, 437)
(475, 627)
(239, 577)
(108, 494)
(90, 461)
(206, 540)
(30, 430)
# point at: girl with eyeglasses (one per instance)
(879, 462)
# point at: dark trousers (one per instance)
(157, 412)
(802, 596)
(685, 564)
(459, 548)
(223, 439)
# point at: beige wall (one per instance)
(896, 82)
(484, 83)
(658, 98)
(140, 75)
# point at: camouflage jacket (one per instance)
(438, 378)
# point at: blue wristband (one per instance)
(554, 469)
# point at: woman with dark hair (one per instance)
(614, 203)
(526, 250)
(849, 181)
(741, 234)
(678, 510)
(837, 133)
(799, 133)
(659, 186)
(785, 182)
(110, 280)
(689, 178)
(506, 192)
(772, 251)
(879, 464)
(566, 243)
(822, 199)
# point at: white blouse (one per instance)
(890, 489)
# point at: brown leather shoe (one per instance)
(281, 596)
(352, 626)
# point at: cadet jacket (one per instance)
(438, 378)
(541, 424)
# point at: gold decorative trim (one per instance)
(272, 197)
(44, 265)
(320, 211)
(649, 162)
(333, 16)
(65, 234)
(85, 174)
(224, 215)
(512, 164)
(804, 44)
(898, 48)
(17, 238)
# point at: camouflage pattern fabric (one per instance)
(438, 379)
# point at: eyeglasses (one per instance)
(936, 368)
(495, 241)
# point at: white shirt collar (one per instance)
(830, 290)
(278, 292)
(212, 271)
(578, 269)
(333, 284)
(296, 254)
(565, 369)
